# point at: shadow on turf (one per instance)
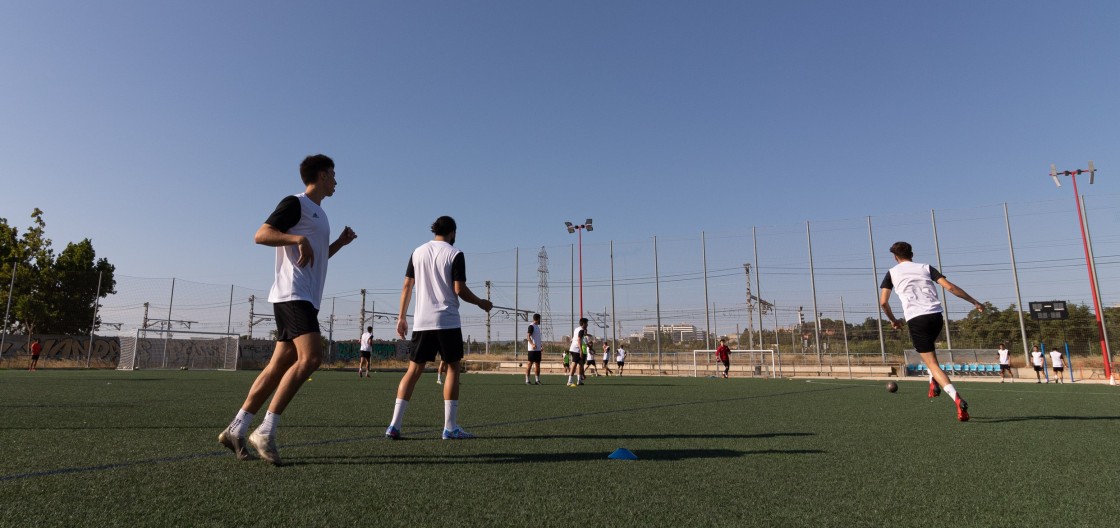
(664, 455)
(641, 436)
(1040, 418)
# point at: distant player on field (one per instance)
(534, 343)
(1057, 365)
(1038, 363)
(579, 338)
(36, 349)
(366, 351)
(1004, 362)
(589, 354)
(299, 231)
(915, 284)
(439, 273)
(620, 358)
(724, 355)
(607, 357)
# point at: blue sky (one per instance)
(167, 133)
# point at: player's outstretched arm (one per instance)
(466, 294)
(406, 298)
(345, 237)
(956, 290)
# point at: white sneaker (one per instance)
(235, 443)
(266, 447)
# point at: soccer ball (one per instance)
(892, 387)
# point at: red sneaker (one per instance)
(934, 389)
(962, 409)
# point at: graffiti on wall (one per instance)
(68, 348)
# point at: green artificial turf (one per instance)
(105, 448)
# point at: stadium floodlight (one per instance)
(1094, 290)
(580, 229)
(1053, 174)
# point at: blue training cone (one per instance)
(622, 454)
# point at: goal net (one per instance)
(179, 349)
(744, 364)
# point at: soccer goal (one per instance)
(744, 364)
(179, 349)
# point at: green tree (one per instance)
(51, 295)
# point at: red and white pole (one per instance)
(1092, 280)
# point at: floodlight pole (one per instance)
(578, 229)
(1088, 257)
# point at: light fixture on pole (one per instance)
(579, 229)
(1092, 171)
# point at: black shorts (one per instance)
(534, 356)
(34, 356)
(590, 361)
(924, 330)
(1037, 368)
(366, 354)
(577, 358)
(621, 364)
(726, 362)
(448, 342)
(1059, 369)
(295, 318)
(1004, 367)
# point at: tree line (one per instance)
(50, 293)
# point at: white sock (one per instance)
(268, 426)
(240, 424)
(450, 414)
(569, 379)
(536, 378)
(951, 391)
(399, 407)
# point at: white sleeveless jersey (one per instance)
(1004, 356)
(916, 287)
(437, 305)
(577, 340)
(535, 331)
(295, 283)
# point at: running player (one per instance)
(535, 343)
(300, 232)
(589, 354)
(922, 310)
(1005, 362)
(366, 351)
(439, 273)
(1057, 365)
(579, 337)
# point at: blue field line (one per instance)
(433, 432)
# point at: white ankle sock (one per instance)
(450, 414)
(268, 426)
(240, 424)
(399, 407)
(951, 391)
